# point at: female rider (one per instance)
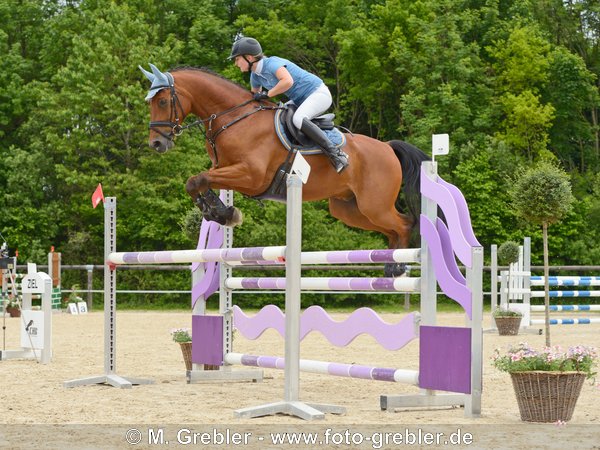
(280, 76)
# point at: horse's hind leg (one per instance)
(348, 212)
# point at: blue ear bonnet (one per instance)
(159, 80)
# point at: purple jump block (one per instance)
(445, 359)
(207, 340)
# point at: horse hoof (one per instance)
(236, 218)
(394, 270)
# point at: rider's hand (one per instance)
(260, 95)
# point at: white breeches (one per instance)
(316, 103)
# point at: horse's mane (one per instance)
(209, 72)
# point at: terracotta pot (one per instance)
(13, 311)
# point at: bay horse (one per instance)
(246, 154)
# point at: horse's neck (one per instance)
(212, 95)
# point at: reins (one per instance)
(177, 129)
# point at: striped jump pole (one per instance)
(541, 308)
(551, 294)
(329, 368)
(566, 281)
(328, 284)
(266, 255)
(574, 321)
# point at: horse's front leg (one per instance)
(210, 204)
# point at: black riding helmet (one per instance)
(245, 46)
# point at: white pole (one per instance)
(292, 290)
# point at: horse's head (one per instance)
(166, 111)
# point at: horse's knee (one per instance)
(196, 185)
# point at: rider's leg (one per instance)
(315, 104)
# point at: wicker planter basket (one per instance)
(547, 396)
(186, 349)
(508, 326)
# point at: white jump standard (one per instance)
(110, 311)
(36, 326)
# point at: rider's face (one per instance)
(242, 63)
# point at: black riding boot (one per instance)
(338, 158)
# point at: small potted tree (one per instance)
(542, 196)
(507, 320)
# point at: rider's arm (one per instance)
(285, 82)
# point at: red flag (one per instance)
(97, 196)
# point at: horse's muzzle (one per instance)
(161, 145)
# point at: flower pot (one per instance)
(547, 396)
(13, 311)
(508, 325)
(186, 349)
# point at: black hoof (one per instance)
(393, 270)
(222, 217)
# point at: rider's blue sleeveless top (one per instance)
(305, 82)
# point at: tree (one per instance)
(542, 196)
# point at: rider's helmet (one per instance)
(245, 46)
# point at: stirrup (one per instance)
(339, 160)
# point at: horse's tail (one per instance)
(410, 159)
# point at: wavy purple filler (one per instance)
(340, 334)
(451, 287)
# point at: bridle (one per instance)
(176, 128)
(173, 123)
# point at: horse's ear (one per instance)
(149, 75)
(161, 78)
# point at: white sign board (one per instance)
(82, 307)
(301, 167)
(33, 283)
(32, 333)
(440, 144)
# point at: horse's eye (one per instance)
(162, 102)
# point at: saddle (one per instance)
(295, 141)
(297, 137)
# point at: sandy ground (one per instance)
(36, 411)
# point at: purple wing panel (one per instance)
(451, 287)
(445, 200)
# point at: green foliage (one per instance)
(181, 335)
(509, 82)
(506, 312)
(508, 253)
(542, 194)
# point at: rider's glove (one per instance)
(260, 95)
